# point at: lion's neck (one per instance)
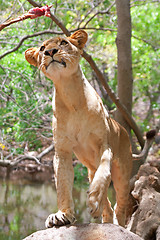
(70, 91)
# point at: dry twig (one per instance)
(37, 159)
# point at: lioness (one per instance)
(82, 125)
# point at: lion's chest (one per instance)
(84, 127)
(86, 134)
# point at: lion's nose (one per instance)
(51, 52)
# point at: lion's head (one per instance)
(59, 56)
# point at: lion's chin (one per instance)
(62, 62)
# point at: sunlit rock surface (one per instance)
(90, 231)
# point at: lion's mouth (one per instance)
(53, 60)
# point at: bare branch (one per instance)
(143, 2)
(89, 12)
(46, 151)
(22, 76)
(32, 13)
(6, 24)
(26, 37)
(116, 100)
(147, 42)
(11, 163)
(50, 32)
(100, 28)
(100, 13)
(34, 4)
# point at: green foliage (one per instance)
(20, 115)
(25, 94)
(145, 52)
(81, 174)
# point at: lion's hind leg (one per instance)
(121, 177)
(100, 184)
(107, 215)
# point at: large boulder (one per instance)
(90, 231)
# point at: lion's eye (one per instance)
(64, 42)
(42, 48)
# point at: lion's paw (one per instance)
(94, 202)
(59, 219)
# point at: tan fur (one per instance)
(82, 125)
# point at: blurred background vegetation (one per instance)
(26, 94)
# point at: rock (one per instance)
(145, 221)
(90, 231)
(158, 234)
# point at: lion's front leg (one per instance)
(64, 176)
(99, 185)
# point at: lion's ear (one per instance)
(31, 55)
(79, 38)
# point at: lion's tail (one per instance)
(148, 142)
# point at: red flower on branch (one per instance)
(32, 13)
(37, 12)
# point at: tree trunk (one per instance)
(123, 41)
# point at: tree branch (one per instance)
(144, 2)
(100, 12)
(34, 4)
(48, 32)
(26, 37)
(32, 13)
(6, 24)
(37, 159)
(46, 151)
(116, 100)
(10, 163)
(87, 14)
(147, 42)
